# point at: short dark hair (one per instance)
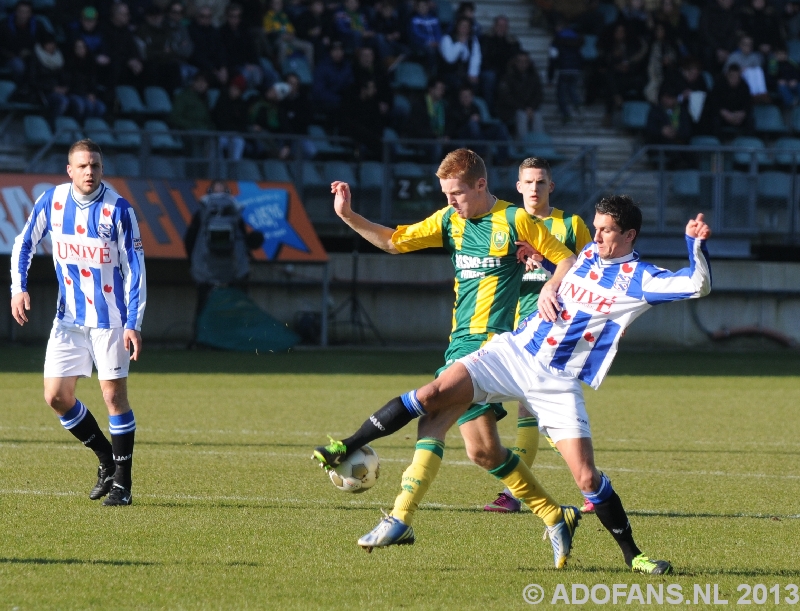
(540, 163)
(85, 145)
(623, 210)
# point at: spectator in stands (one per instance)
(18, 36)
(664, 57)
(351, 26)
(791, 19)
(240, 50)
(718, 27)
(466, 10)
(86, 29)
(84, 97)
(265, 117)
(428, 118)
(466, 124)
(281, 34)
(366, 68)
(498, 48)
(215, 7)
(624, 68)
(729, 106)
(460, 56)
(519, 96)
(668, 122)
(389, 32)
(424, 35)
(313, 25)
(566, 58)
(638, 22)
(48, 75)
(784, 77)
(127, 63)
(180, 43)
(294, 114)
(190, 110)
(332, 78)
(761, 24)
(208, 53)
(691, 86)
(230, 114)
(676, 27)
(751, 63)
(162, 67)
(365, 117)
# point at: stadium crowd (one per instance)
(278, 66)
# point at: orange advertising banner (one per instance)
(164, 209)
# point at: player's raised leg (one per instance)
(596, 488)
(59, 393)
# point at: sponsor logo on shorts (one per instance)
(104, 232)
(581, 420)
(116, 368)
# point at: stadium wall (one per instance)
(409, 299)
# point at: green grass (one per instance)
(230, 513)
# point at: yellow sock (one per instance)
(527, 439)
(417, 478)
(519, 479)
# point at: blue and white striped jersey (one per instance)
(98, 256)
(600, 300)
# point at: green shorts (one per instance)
(462, 346)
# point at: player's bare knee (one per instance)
(588, 479)
(116, 399)
(486, 457)
(58, 400)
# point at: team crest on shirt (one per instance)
(499, 239)
(560, 237)
(104, 232)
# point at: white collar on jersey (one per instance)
(632, 256)
(85, 199)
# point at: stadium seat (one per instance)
(213, 96)
(609, 12)
(483, 108)
(128, 166)
(370, 174)
(109, 167)
(743, 158)
(768, 119)
(589, 50)
(67, 131)
(157, 101)
(539, 144)
(54, 163)
(445, 13)
(402, 105)
(7, 89)
(37, 130)
(339, 170)
(408, 169)
(158, 166)
(299, 65)
(774, 187)
(99, 131)
(705, 141)
(160, 138)
(686, 183)
(246, 169)
(323, 144)
(129, 100)
(634, 114)
(692, 14)
(787, 151)
(310, 176)
(796, 120)
(398, 150)
(275, 171)
(410, 75)
(127, 133)
(708, 79)
(793, 47)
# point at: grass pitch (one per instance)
(230, 513)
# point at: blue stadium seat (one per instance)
(7, 89)
(774, 187)
(157, 101)
(609, 12)
(540, 144)
(686, 183)
(321, 142)
(99, 131)
(408, 169)
(160, 138)
(705, 141)
(128, 166)
(399, 150)
(246, 169)
(743, 158)
(68, 131)
(787, 151)
(692, 14)
(483, 109)
(445, 13)
(410, 75)
(157, 166)
(129, 100)
(402, 106)
(310, 176)
(796, 120)
(708, 79)
(370, 174)
(589, 50)
(127, 133)
(339, 170)
(109, 167)
(213, 96)
(37, 130)
(634, 114)
(793, 47)
(768, 119)
(299, 65)
(275, 170)
(54, 163)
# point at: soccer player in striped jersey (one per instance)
(543, 362)
(99, 263)
(481, 233)
(535, 184)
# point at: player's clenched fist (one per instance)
(341, 200)
(698, 228)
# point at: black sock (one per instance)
(88, 432)
(123, 458)
(387, 420)
(612, 515)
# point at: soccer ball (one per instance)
(358, 472)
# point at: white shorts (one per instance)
(503, 371)
(72, 349)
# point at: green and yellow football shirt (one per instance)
(488, 276)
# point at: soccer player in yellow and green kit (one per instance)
(535, 184)
(481, 233)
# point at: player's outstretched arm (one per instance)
(19, 304)
(375, 234)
